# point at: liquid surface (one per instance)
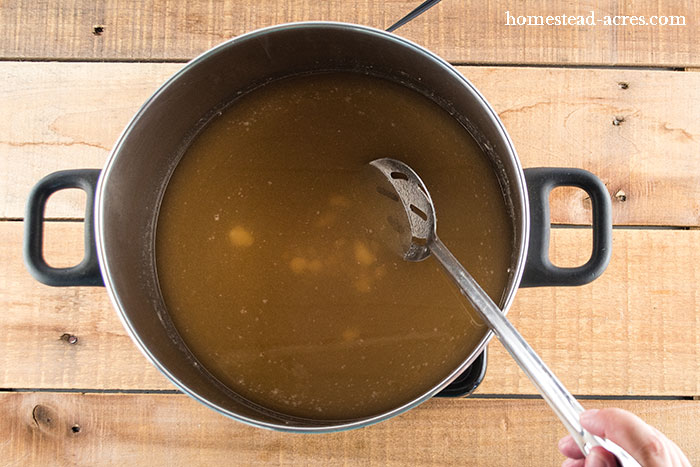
(273, 256)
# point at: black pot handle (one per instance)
(539, 270)
(87, 272)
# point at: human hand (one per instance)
(643, 442)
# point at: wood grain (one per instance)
(463, 31)
(634, 331)
(69, 116)
(65, 116)
(175, 430)
(38, 321)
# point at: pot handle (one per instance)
(539, 270)
(87, 272)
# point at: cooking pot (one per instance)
(124, 198)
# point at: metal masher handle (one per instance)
(552, 390)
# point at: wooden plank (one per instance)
(38, 322)
(175, 430)
(463, 31)
(628, 127)
(634, 331)
(69, 115)
(65, 116)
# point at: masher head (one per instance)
(410, 191)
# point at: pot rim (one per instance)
(517, 185)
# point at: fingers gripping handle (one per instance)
(539, 270)
(87, 272)
(623, 457)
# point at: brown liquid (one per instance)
(276, 273)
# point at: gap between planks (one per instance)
(553, 225)
(600, 397)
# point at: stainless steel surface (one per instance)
(139, 167)
(420, 211)
(417, 205)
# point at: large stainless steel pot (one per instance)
(130, 188)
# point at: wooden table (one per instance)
(622, 102)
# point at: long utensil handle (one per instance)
(552, 390)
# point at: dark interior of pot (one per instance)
(145, 158)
